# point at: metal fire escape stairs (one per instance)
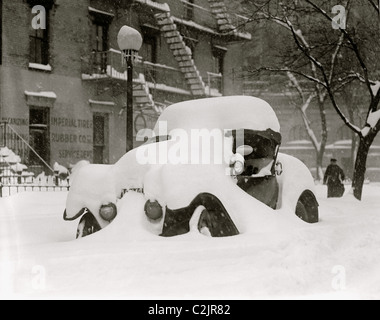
(227, 24)
(182, 53)
(142, 96)
(220, 12)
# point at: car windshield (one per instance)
(263, 144)
(259, 149)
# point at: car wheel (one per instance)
(204, 223)
(87, 226)
(214, 223)
(307, 207)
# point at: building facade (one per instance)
(63, 85)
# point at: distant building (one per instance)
(62, 84)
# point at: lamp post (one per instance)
(130, 42)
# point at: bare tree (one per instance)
(303, 104)
(332, 55)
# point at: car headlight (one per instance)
(153, 210)
(108, 212)
(239, 164)
(239, 167)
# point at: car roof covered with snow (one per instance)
(231, 112)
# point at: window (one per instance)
(39, 43)
(218, 54)
(149, 49)
(216, 76)
(99, 38)
(100, 134)
(189, 9)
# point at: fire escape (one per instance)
(105, 69)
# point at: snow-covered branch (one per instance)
(300, 38)
(286, 70)
(375, 5)
(303, 108)
(335, 56)
(351, 41)
(375, 87)
(372, 121)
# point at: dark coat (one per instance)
(334, 177)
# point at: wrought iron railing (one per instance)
(11, 139)
(17, 174)
(108, 64)
(11, 183)
(192, 12)
(205, 17)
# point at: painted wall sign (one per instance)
(71, 123)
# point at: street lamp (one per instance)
(130, 42)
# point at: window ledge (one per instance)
(42, 67)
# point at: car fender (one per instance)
(90, 188)
(176, 187)
(293, 181)
(94, 185)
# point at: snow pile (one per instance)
(9, 156)
(61, 170)
(42, 94)
(19, 167)
(375, 88)
(233, 112)
(336, 258)
(372, 120)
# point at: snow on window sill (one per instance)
(38, 66)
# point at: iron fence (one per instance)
(12, 183)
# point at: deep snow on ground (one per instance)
(338, 258)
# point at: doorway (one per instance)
(39, 135)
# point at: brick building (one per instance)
(62, 84)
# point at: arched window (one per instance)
(298, 133)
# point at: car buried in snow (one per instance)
(215, 159)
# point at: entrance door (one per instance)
(39, 135)
(100, 138)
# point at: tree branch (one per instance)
(334, 57)
(374, 5)
(326, 80)
(307, 122)
(353, 44)
(302, 74)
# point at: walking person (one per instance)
(334, 177)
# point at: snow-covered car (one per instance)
(215, 160)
